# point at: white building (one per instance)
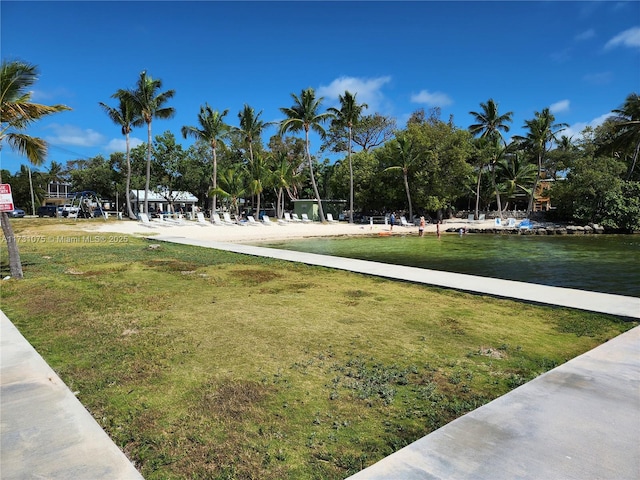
(164, 201)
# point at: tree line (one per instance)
(428, 166)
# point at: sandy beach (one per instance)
(260, 233)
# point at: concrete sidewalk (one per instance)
(580, 421)
(45, 432)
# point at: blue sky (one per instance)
(581, 59)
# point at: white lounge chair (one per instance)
(330, 218)
(498, 222)
(216, 220)
(252, 221)
(144, 218)
(226, 218)
(511, 222)
(200, 220)
(294, 217)
(266, 220)
(404, 223)
(305, 218)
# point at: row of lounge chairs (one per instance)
(226, 220)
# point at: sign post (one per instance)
(6, 199)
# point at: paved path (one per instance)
(46, 433)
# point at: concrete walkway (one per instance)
(45, 431)
(579, 421)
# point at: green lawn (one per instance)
(207, 364)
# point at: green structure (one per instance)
(310, 207)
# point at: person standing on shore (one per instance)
(421, 227)
(392, 220)
(438, 228)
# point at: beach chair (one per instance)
(498, 222)
(144, 218)
(330, 218)
(404, 223)
(305, 218)
(294, 217)
(226, 218)
(200, 220)
(287, 217)
(252, 221)
(266, 220)
(216, 220)
(511, 222)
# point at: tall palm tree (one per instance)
(123, 116)
(304, 116)
(283, 178)
(490, 125)
(541, 134)
(211, 131)
(251, 127)
(404, 153)
(259, 176)
(17, 112)
(148, 103)
(627, 128)
(347, 116)
(232, 187)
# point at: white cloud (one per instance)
(602, 78)
(575, 131)
(561, 106)
(368, 90)
(628, 38)
(72, 135)
(432, 99)
(120, 144)
(586, 35)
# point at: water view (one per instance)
(602, 263)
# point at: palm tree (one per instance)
(347, 116)
(232, 186)
(490, 125)
(258, 175)
(251, 127)
(283, 178)
(515, 176)
(17, 112)
(124, 116)
(542, 132)
(627, 128)
(404, 153)
(304, 115)
(212, 130)
(148, 104)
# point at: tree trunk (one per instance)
(535, 185)
(406, 187)
(476, 216)
(15, 265)
(214, 180)
(313, 180)
(350, 181)
(128, 186)
(495, 188)
(146, 185)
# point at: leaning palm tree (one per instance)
(304, 115)
(542, 133)
(211, 131)
(404, 153)
(123, 116)
(148, 104)
(627, 128)
(347, 116)
(490, 125)
(17, 112)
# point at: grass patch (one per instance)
(208, 364)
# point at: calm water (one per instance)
(602, 263)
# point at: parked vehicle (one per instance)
(16, 213)
(47, 211)
(69, 211)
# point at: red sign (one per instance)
(6, 199)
